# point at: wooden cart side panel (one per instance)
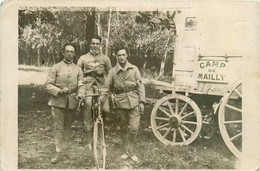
(201, 39)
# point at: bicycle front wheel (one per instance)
(99, 145)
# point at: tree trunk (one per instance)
(161, 73)
(28, 57)
(90, 27)
(145, 51)
(108, 31)
(145, 61)
(49, 58)
(80, 48)
(98, 24)
(53, 58)
(38, 57)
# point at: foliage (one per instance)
(49, 29)
(145, 33)
(30, 17)
(45, 35)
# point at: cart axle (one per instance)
(175, 121)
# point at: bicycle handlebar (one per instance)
(95, 95)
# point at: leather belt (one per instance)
(93, 74)
(124, 90)
(73, 91)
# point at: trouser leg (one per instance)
(105, 108)
(132, 140)
(125, 139)
(58, 115)
(123, 123)
(87, 116)
(105, 105)
(134, 122)
(68, 120)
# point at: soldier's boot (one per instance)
(125, 143)
(66, 143)
(58, 145)
(67, 140)
(58, 155)
(89, 139)
(56, 158)
(130, 152)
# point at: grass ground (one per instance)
(32, 75)
(36, 146)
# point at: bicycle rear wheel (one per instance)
(99, 145)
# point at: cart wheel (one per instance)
(230, 119)
(99, 146)
(176, 120)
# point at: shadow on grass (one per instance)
(32, 97)
(30, 69)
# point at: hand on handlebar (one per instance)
(80, 96)
(141, 108)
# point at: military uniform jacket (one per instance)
(63, 75)
(99, 64)
(127, 80)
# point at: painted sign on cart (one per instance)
(212, 71)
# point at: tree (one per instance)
(165, 57)
(108, 30)
(44, 31)
(145, 34)
(148, 35)
(43, 35)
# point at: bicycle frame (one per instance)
(98, 128)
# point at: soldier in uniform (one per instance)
(124, 80)
(65, 84)
(95, 67)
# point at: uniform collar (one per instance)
(127, 66)
(92, 53)
(67, 62)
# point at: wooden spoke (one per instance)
(189, 122)
(184, 107)
(167, 132)
(191, 113)
(234, 108)
(226, 126)
(187, 129)
(161, 118)
(236, 136)
(238, 93)
(169, 105)
(162, 126)
(165, 112)
(205, 122)
(174, 136)
(177, 105)
(232, 122)
(182, 135)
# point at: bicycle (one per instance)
(99, 145)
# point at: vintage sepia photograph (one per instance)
(130, 87)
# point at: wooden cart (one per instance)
(207, 74)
